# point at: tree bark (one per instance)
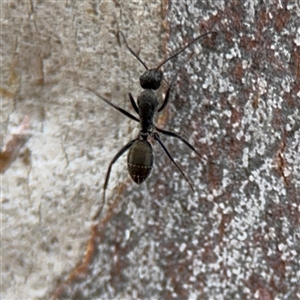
(236, 101)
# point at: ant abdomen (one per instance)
(140, 160)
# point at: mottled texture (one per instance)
(236, 100)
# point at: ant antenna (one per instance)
(189, 44)
(132, 52)
(172, 56)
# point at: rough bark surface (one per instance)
(236, 100)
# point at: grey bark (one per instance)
(236, 101)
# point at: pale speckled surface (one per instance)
(236, 100)
(49, 198)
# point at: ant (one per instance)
(140, 156)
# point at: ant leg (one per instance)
(133, 103)
(123, 111)
(132, 52)
(117, 156)
(173, 134)
(166, 100)
(156, 137)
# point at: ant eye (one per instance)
(151, 79)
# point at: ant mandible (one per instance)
(140, 156)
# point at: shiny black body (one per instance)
(140, 156)
(140, 160)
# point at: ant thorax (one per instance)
(147, 106)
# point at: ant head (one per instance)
(151, 79)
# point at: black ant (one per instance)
(140, 156)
